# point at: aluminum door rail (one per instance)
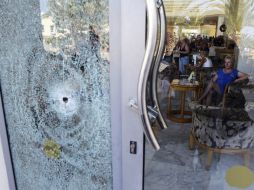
(152, 23)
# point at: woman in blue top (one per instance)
(221, 79)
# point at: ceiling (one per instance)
(194, 8)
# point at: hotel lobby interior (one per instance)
(204, 146)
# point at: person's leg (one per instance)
(186, 61)
(207, 90)
(176, 60)
(211, 89)
(168, 58)
(182, 62)
(209, 98)
(181, 67)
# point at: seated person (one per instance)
(203, 60)
(203, 66)
(220, 80)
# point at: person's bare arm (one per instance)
(187, 49)
(241, 76)
(201, 62)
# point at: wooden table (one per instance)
(179, 115)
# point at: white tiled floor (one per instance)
(175, 167)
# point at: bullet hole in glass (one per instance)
(82, 68)
(65, 99)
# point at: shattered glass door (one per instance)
(55, 87)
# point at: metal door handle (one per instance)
(152, 31)
(160, 50)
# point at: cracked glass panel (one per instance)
(55, 87)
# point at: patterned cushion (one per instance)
(217, 128)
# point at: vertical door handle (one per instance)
(152, 31)
(160, 50)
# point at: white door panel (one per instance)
(138, 54)
(133, 46)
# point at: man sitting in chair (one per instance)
(203, 60)
(220, 80)
(201, 64)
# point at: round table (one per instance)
(179, 114)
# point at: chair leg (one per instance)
(209, 159)
(247, 157)
(191, 142)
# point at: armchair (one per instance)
(226, 129)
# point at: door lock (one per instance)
(133, 147)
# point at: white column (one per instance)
(221, 20)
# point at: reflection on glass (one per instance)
(69, 25)
(215, 150)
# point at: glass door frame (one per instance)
(126, 54)
(127, 47)
(6, 169)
